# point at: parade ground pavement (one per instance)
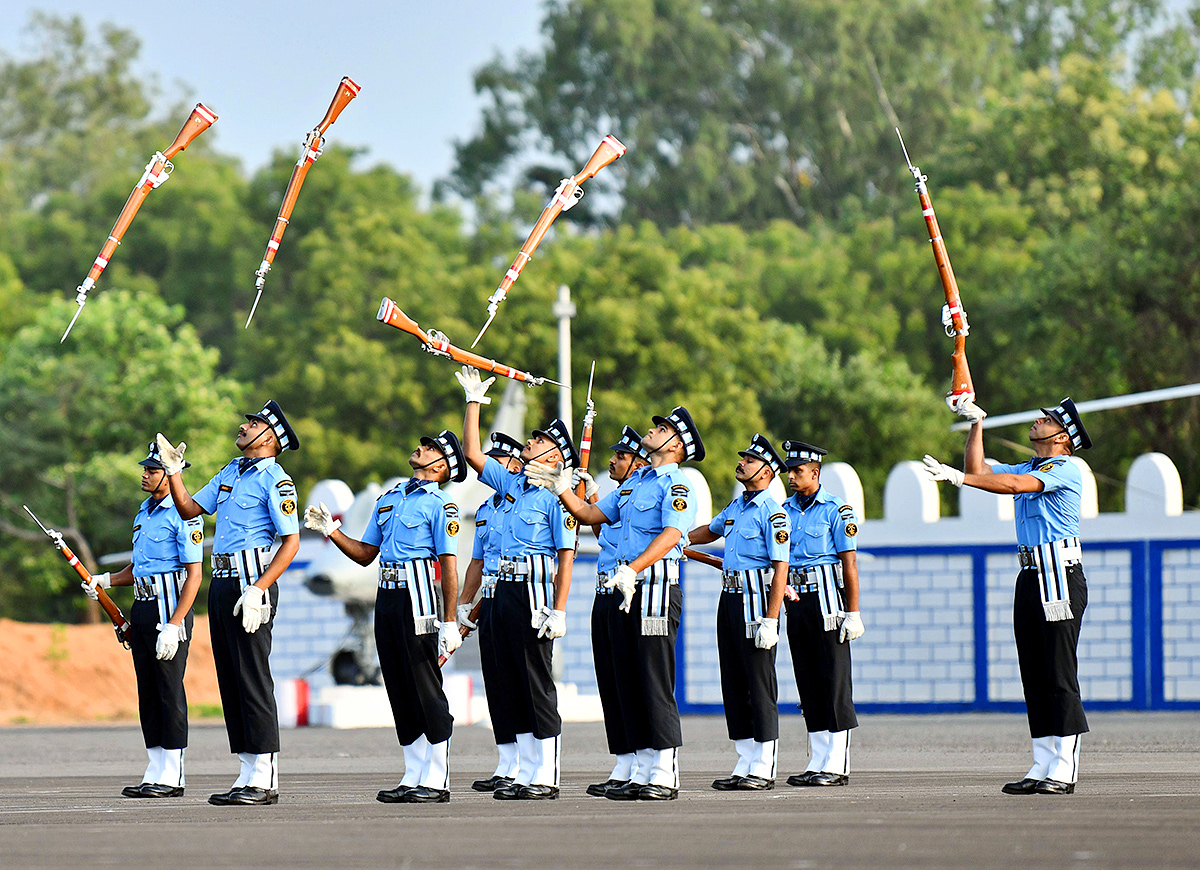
(924, 792)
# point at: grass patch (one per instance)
(205, 711)
(57, 652)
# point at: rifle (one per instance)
(463, 631)
(120, 623)
(954, 318)
(313, 142)
(437, 344)
(585, 437)
(565, 196)
(157, 171)
(715, 561)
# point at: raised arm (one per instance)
(476, 395)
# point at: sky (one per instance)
(269, 68)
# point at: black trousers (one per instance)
(523, 665)
(162, 702)
(647, 694)
(822, 667)
(243, 670)
(491, 680)
(1047, 654)
(409, 663)
(612, 652)
(749, 685)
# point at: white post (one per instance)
(564, 310)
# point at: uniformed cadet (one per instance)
(479, 589)
(822, 616)
(255, 502)
(613, 631)
(655, 507)
(1051, 590)
(755, 575)
(413, 528)
(537, 551)
(165, 574)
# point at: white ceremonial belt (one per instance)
(513, 567)
(392, 572)
(672, 566)
(809, 579)
(1068, 550)
(603, 577)
(149, 587)
(229, 561)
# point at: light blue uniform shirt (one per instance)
(163, 541)
(252, 507)
(756, 532)
(489, 529)
(537, 525)
(650, 500)
(827, 527)
(417, 524)
(609, 539)
(1053, 513)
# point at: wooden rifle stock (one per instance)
(962, 389)
(437, 344)
(567, 194)
(157, 171)
(715, 561)
(347, 91)
(585, 437)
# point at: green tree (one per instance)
(76, 418)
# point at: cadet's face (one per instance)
(804, 478)
(248, 431)
(658, 436)
(151, 478)
(426, 457)
(748, 468)
(618, 466)
(539, 448)
(1043, 427)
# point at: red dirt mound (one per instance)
(65, 674)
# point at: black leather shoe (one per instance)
(492, 783)
(158, 790)
(1053, 786)
(1021, 786)
(221, 799)
(600, 789)
(134, 791)
(508, 793)
(801, 778)
(630, 791)
(755, 783)
(824, 778)
(393, 795)
(423, 794)
(537, 792)
(657, 793)
(728, 783)
(252, 795)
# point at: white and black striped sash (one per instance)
(163, 588)
(1051, 561)
(824, 580)
(417, 577)
(754, 585)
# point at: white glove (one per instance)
(768, 633)
(464, 616)
(254, 608)
(941, 471)
(474, 389)
(971, 411)
(556, 477)
(320, 519)
(103, 581)
(554, 624)
(169, 636)
(623, 579)
(171, 457)
(852, 627)
(590, 487)
(448, 638)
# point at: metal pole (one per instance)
(564, 310)
(1127, 401)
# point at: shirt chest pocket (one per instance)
(533, 520)
(410, 524)
(750, 532)
(644, 502)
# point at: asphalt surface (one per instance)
(924, 792)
